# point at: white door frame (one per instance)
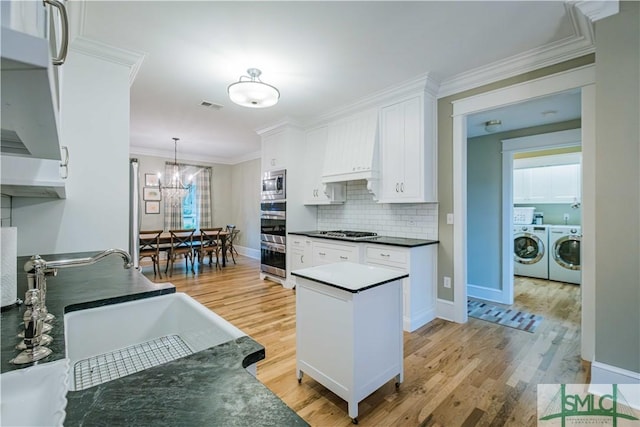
(545, 141)
(582, 77)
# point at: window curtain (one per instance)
(203, 197)
(172, 213)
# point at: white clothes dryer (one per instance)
(564, 257)
(530, 254)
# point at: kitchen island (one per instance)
(349, 328)
(210, 387)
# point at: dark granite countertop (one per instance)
(210, 387)
(379, 240)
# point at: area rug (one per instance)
(503, 316)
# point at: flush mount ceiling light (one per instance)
(253, 93)
(493, 125)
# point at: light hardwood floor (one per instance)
(475, 374)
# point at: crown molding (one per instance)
(198, 158)
(581, 43)
(129, 58)
(287, 121)
(596, 10)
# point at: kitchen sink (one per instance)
(109, 342)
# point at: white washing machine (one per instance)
(530, 254)
(564, 253)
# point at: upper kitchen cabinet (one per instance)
(30, 85)
(315, 191)
(352, 148)
(408, 151)
(548, 179)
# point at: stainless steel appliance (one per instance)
(273, 238)
(347, 234)
(274, 185)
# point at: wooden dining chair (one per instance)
(210, 244)
(229, 248)
(181, 244)
(149, 247)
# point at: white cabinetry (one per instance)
(419, 290)
(299, 255)
(274, 151)
(408, 151)
(552, 183)
(315, 192)
(351, 340)
(327, 253)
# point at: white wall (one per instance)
(361, 213)
(95, 127)
(245, 204)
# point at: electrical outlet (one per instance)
(449, 218)
(447, 282)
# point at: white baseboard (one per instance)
(487, 294)
(410, 324)
(445, 309)
(248, 252)
(603, 375)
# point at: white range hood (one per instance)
(352, 149)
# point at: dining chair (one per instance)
(149, 247)
(210, 244)
(181, 244)
(229, 248)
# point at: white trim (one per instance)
(565, 138)
(603, 375)
(548, 85)
(487, 294)
(560, 82)
(416, 321)
(199, 158)
(445, 309)
(579, 44)
(130, 58)
(596, 10)
(248, 252)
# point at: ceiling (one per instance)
(321, 56)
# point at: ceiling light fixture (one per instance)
(493, 125)
(175, 190)
(253, 93)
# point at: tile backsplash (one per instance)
(361, 213)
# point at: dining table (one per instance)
(165, 238)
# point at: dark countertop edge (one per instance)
(380, 240)
(117, 300)
(353, 291)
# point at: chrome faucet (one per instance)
(37, 270)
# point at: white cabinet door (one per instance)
(408, 152)
(327, 253)
(273, 152)
(521, 183)
(540, 181)
(315, 192)
(565, 184)
(547, 184)
(28, 17)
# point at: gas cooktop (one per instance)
(347, 234)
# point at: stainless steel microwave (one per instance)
(274, 185)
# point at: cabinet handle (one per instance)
(296, 242)
(402, 187)
(64, 43)
(64, 164)
(302, 258)
(344, 257)
(273, 162)
(321, 253)
(397, 187)
(385, 255)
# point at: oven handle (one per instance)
(274, 247)
(273, 215)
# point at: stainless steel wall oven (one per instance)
(273, 238)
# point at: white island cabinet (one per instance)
(349, 328)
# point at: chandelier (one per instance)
(253, 92)
(175, 190)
